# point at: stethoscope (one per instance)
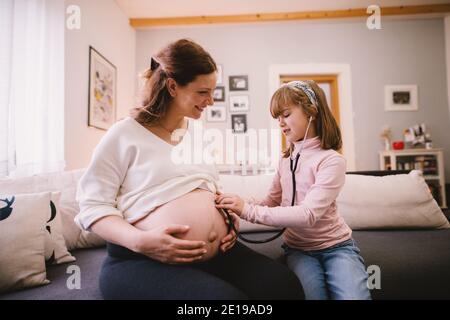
(293, 166)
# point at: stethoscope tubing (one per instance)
(231, 226)
(293, 166)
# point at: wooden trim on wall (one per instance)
(286, 16)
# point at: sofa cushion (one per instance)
(22, 235)
(413, 264)
(389, 202)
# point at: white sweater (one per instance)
(132, 172)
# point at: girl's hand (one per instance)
(231, 202)
(230, 239)
(161, 244)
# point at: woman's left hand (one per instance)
(230, 239)
(231, 202)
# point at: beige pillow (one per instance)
(22, 238)
(390, 202)
(74, 236)
(55, 245)
(67, 182)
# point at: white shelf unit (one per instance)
(429, 161)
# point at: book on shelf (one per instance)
(426, 164)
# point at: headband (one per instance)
(306, 88)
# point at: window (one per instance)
(31, 87)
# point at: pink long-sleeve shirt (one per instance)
(313, 223)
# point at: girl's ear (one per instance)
(172, 87)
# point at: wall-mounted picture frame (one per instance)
(238, 83)
(239, 103)
(401, 98)
(102, 91)
(239, 123)
(216, 114)
(219, 74)
(219, 94)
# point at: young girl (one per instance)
(317, 241)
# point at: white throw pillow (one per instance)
(22, 237)
(389, 202)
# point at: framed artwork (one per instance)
(239, 123)
(219, 74)
(102, 91)
(238, 83)
(219, 94)
(239, 103)
(216, 114)
(400, 98)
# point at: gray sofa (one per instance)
(414, 264)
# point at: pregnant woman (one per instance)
(165, 238)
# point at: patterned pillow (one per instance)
(55, 246)
(22, 237)
(66, 183)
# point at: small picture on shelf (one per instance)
(417, 137)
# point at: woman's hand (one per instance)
(161, 244)
(231, 202)
(230, 239)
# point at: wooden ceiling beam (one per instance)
(287, 16)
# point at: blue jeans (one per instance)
(336, 273)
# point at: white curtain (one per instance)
(31, 87)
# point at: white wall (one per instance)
(106, 28)
(402, 52)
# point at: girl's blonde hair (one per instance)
(326, 127)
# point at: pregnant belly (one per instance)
(195, 209)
